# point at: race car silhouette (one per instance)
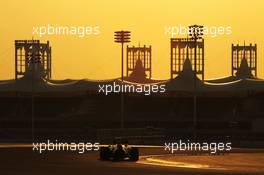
(119, 151)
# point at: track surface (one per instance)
(23, 161)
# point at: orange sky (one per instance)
(98, 57)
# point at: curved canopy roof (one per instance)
(184, 82)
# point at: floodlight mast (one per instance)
(122, 37)
(34, 58)
(196, 33)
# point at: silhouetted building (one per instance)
(243, 64)
(139, 63)
(32, 55)
(244, 60)
(182, 48)
(232, 106)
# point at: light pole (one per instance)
(122, 37)
(34, 58)
(195, 32)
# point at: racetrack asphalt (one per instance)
(23, 161)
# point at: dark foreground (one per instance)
(23, 161)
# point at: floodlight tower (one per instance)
(195, 32)
(122, 37)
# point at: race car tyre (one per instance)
(104, 153)
(134, 154)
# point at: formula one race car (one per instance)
(119, 151)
